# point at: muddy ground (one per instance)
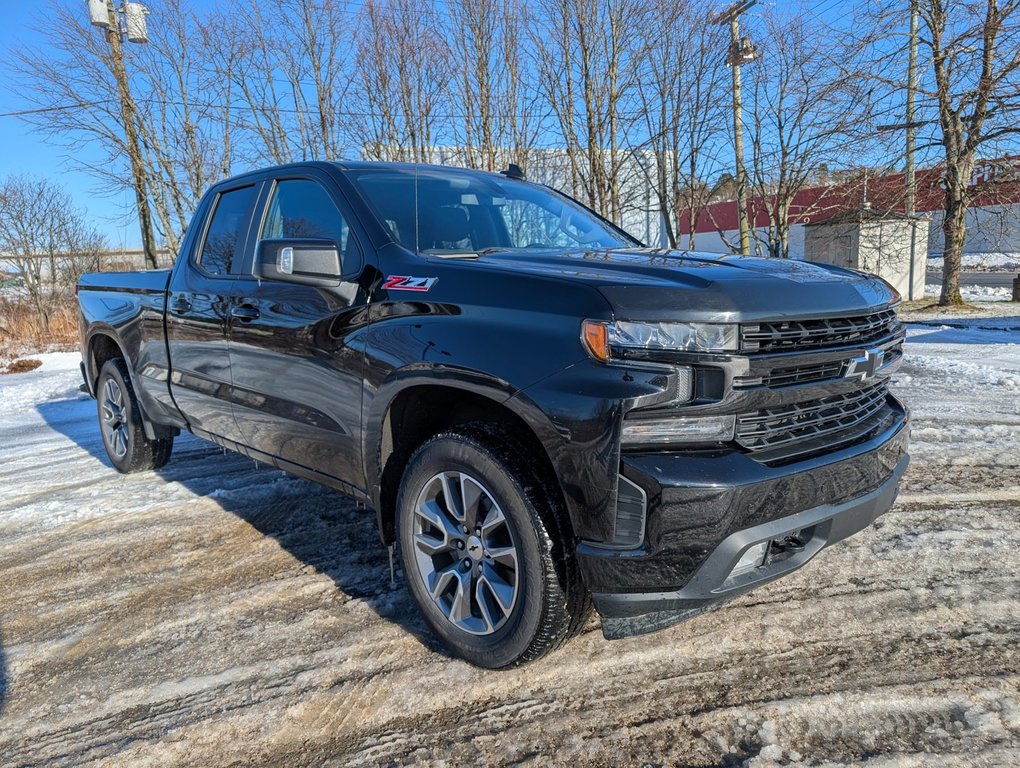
(220, 613)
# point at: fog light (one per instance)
(753, 557)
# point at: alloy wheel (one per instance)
(114, 418)
(465, 552)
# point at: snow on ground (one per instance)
(216, 612)
(1007, 262)
(972, 293)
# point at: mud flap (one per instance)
(645, 624)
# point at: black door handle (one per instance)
(245, 312)
(180, 305)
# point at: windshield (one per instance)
(466, 212)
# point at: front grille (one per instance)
(788, 377)
(787, 335)
(791, 426)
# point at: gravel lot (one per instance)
(221, 613)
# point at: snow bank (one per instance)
(21, 392)
(1007, 262)
(972, 293)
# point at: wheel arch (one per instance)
(422, 409)
(102, 346)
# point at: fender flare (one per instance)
(152, 432)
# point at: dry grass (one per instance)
(22, 329)
(22, 365)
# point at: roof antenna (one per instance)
(514, 171)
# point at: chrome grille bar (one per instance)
(786, 335)
(784, 425)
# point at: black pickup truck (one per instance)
(543, 414)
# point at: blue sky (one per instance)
(23, 150)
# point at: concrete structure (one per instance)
(890, 245)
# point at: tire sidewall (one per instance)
(450, 453)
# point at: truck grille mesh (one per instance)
(779, 336)
(791, 425)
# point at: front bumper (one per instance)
(705, 509)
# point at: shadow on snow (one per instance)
(320, 527)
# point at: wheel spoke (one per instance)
(498, 587)
(471, 494)
(119, 442)
(460, 607)
(504, 555)
(451, 493)
(436, 517)
(441, 581)
(430, 545)
(493, 520)
(484, 605)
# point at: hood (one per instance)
(663, 285)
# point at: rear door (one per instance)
(296, 351)
(198, 308)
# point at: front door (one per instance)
(295, 353)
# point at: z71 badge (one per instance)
(405, 283)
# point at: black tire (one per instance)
(120, 423)
(518, 509)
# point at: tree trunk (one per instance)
(954, 229)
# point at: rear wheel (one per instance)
(120, 422)
(481, 548)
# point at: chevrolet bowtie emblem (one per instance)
(865, 367)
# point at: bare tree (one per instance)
(589, 53)
(287, 63)
(975, 86)
(682, 77)
(47, 241)
(403, 73)
(491, 83)
(811, 106)
(182, 119)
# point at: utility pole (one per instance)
(910, 203)
(908, 171)
(135, 23)
(740, 52)
(910, 127)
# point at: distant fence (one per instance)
(105, 261)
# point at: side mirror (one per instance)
(305, 261)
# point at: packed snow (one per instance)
(975, 293)
(220, 613)
(983, 262)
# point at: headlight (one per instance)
(600, 337)
(677, 429)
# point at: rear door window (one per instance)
(228, 227)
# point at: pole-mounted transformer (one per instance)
(98, 14)
(134, 24)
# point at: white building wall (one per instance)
(990, 229)
(713, 242)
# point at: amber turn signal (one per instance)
(596, 339)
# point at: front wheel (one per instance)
(482, 552)
(120, 422)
